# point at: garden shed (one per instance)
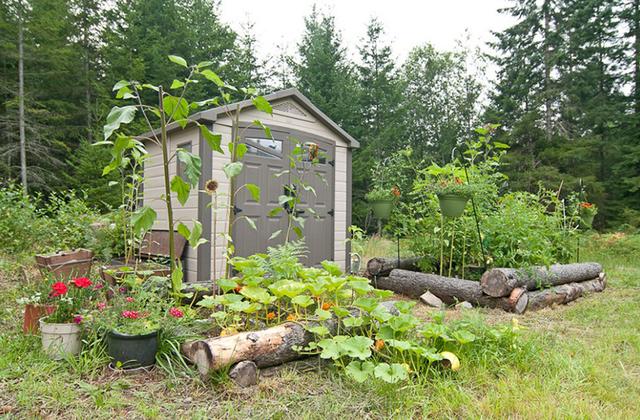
(294, 119)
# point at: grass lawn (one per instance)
(581, 360)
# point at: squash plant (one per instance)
(351, 324)
(158, 114)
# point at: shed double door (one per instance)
(264, 160)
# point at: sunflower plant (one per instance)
(171, 107)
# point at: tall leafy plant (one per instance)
(161, 110)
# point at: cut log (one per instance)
(564, 293)
(379, 266)
(268, 347)
(499, 282)
(244, 374)
(449, 290)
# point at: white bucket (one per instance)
(60, 340)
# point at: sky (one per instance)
(407, 23)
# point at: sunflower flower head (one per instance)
(211, 186)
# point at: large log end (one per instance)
(497, 283)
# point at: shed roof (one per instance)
(211, 115)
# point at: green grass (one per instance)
(578, 361)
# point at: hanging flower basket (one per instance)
(452, 205)
(382, 208)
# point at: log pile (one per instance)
(509, 289)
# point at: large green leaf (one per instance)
(332, 347)
(143, 219)
(194, 236)
(192, 165)
(266, 129)
(211, 76)
(359, 371)
(181, 188)
(232, 169)
(391, 373)
(255, 191)
(287, 288)
(358, 347)
(262, 104)
(176, 109)
(178, 60)
(212, 139)
(118, 116)
(256, 293)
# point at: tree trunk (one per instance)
(564, 293)
(268, 347)
(21, 122)
(499, 282)
(449, 290)
(380, 266)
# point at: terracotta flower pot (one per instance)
(452, 205)
(32, 315)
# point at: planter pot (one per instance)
(452, 205)
(132, 351)
(32, 315)
(65, 265)
(114, 274)
(382, 208)
(586, 220)
(60, 340)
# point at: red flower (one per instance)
(176, 313)
(131, 314)
(129, 299)
(82, 282)
(77, 319)
(58, 289)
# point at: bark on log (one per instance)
(268, 347)
(449, 290)
(564, 293)
(379, 266)
(499, 282)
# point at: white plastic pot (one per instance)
(60, 340)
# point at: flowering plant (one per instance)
(383, 194)
(447, 179)
(587, 209)
(70, 299)
(135, 310)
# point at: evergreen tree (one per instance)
(323, 73)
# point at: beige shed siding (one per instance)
(312, 126)
(154, 189)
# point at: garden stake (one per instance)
(441, 242)
(475, 212)
(453, 237)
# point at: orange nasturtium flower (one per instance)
(379, 344)
(238, 288)
(459, 181)
(327, 305)
(395, 191)
(586, 205)
(291, 317)
(271, 315)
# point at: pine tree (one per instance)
(323, 72)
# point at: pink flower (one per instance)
(77, 319)
(98, 286)
(176, 313)
(129, 299)
(131, 314)
(101, 305)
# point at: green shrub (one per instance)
(31, 225)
